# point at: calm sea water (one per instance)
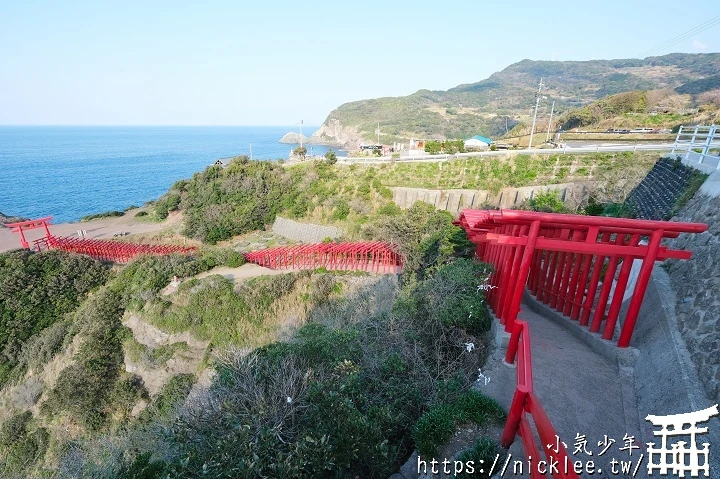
(69, 172)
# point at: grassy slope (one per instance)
(221, 203)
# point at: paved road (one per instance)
(571, 150)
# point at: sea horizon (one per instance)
(70, 171)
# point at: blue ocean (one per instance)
(70, 172)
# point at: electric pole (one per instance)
(378, 133)
(301, 137)
(537, 104)
(552, 110)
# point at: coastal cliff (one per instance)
(334, 133)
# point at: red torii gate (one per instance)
(560, 258)
(22, 226)
(104, 250)
(375, 256)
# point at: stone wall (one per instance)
(655, 197)
(304, 232)
(696, 283)
(455, 201)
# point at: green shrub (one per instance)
(434, 429)
(482, 456)
(166, 402)
(14, 428)
(341, 210)
(36, 291)
(330, 157)
(548, 202)
(474, 407)
(107, 214)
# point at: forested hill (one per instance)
(496, 104)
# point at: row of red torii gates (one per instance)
(578, 265)
(371, 256)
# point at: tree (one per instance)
(548, 202)
(433, 147)
(300, 151)
(330, 157)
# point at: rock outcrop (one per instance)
(293, 138)
(10, 219)
(334, 133)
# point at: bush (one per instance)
(341, 210)
(107, 214)
(434, 429)
(330, 157)
(36, 291)
(481, 455)
(426, 237)
(548, 202)
(14, 428)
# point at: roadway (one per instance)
(571, 148)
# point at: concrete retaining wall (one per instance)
(304, 232)
(456, 200)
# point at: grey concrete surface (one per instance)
(582, 392)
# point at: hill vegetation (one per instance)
(305, 374)
(493, 106)
(641, 108)
(351, 391)
(220, 203)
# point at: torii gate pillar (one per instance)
(21, 226)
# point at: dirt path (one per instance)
(236, 275)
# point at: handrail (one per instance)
(525, 403)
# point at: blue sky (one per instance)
(276, 62)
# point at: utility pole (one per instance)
(537, 104)
(552, 110)
(301, 137)
(378, 133)
(251, 157)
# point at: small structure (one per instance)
(478, 142)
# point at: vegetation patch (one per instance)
(106, 214)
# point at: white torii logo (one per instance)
(682, 459)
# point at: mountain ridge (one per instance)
(494, 105)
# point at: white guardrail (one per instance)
(533, 151)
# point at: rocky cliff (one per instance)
(334, 133)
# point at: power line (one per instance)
(683, 36)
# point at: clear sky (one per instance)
(276, 62)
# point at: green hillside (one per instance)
(493, 106)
